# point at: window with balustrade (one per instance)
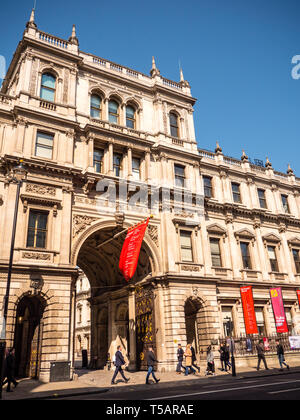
(95, 109)
(174, 126)
(48, 87)
(113, 112)
(130, 117)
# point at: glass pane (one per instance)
(43, 152)
(113, 119)
(244, 249)
(216, 261)
(185, 239)
(95, 113)
(207, 181)
(174, 131)
(259, 316)
(40, 239)
(271, 252)
(136, 164)
(30, 237)
(95, 101)
(186, 254)
(173, 119)
(235, 188)
(214, 246)
(47, 94)
(42, 221)
(130, 112)
(48, 80)
(32, 219)
(179, 170)
(44, 139)
(129, 123)
(113, 107)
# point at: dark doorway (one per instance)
(28, 336)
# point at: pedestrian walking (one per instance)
(150, 362)
(194, 359)
(280, 354)
(261, 354)
(119, 362)
(180, 354)
(222, 356)
(226, 357)
(9, 370)
(210, 370)
(188, 360)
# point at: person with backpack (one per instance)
(280, 354)
(119, 362)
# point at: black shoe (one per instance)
(288, 368)
(148, 383)
(157, 380)
(127, 380)
(16, 384)
(113, 383)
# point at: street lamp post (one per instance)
(19, 175)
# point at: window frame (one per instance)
(116, 115)
(179, 177)
(134, 170)
(97, 161)
(44, 146)
(248, 257)
(286, 207)
(47, 88)
(132, 119)
(296, 262)
(172, 126)
(271, 261)
(37, 230)
(262, 199)
(98, 110)
(210, 187)
(191, 247)
(219, 255)
(118, 167)
(236, 194)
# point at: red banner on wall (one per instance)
(131, 250)
(278, 309)
(298, 294)
(248, 308)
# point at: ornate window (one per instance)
(37, 229)
(130, 116)
(245, 250)
(174, 129)
(95, 110)
(208, 191)
(215, 250)
(44, 145)
(113, 112)
(186, 246)
(236, 193)
(285, 204)
(98, 160)
(262, 198)
(179, 176)
(48, 87)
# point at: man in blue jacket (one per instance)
(119, 362)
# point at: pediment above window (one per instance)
(294, 242)
(216, 229)
(244, 234)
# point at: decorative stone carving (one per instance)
(80, 223)
(153, 233)
(40, 189)
(36, 256)
(190, 268)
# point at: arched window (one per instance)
(174, 125)
(48, 87)
(130, 116)
(113, 112)
(95, 106)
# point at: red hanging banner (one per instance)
(248, 308)
(131, 250)
(278, 309)
(298, 294)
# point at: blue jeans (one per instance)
(187, 370)
(150, 372)
(281, 360)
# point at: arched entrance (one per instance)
(196, 325)
(28, 335)
(111, 296)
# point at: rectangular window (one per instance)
(117, 164)
(215, 252)
(285, 204)
(179, 176)
(260, 321)
(246, 255)
(186, 246)
(273, 258)
(262, 198)
(207, 181)
(296, 255)
(136, 163)
(37, 229)
(289, 320)
(98, 160)
(236, 192)
(44, 145)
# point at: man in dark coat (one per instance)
(180, 353)
(261, 354)
(280, 354)
(9, 371)
(150, 362)
(119, 362)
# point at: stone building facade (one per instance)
(78, 121)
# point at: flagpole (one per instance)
(123, 231)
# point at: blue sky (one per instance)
(236, 54)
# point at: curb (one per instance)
(55, 396)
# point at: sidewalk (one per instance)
(99, 381)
